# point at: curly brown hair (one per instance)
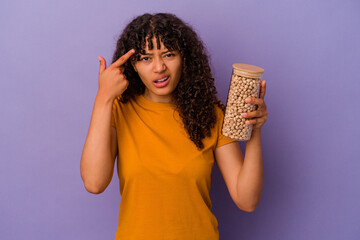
(195, 95)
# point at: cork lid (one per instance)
(248, 70)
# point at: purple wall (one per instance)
(310, 52)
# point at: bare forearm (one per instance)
(96, 160)
(250, 178)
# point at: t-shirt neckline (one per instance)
(153, 105)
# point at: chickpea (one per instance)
(241, 87)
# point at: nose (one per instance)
(159, 65)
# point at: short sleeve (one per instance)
(222, 140)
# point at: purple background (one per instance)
(311, 55)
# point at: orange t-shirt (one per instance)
(164, 178)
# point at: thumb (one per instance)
(102, 64)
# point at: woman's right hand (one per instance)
(112, 80)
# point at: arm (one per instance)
(244, 176)
(100, 148)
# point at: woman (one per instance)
(156, 110)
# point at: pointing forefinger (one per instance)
(123, 58)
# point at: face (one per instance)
(160, 71)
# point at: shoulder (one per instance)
(119, 108)
(119, 104)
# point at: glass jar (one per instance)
(245, 82)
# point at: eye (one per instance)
(144, 59)
(170, 55)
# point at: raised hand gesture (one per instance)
(112, 80)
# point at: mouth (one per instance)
(162, 82)
(162, 79)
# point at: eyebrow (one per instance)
(153, 54)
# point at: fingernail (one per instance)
(244, 114)
(248, 99)
(247, 122)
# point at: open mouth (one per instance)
(162, 82)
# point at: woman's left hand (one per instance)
(258, 117)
